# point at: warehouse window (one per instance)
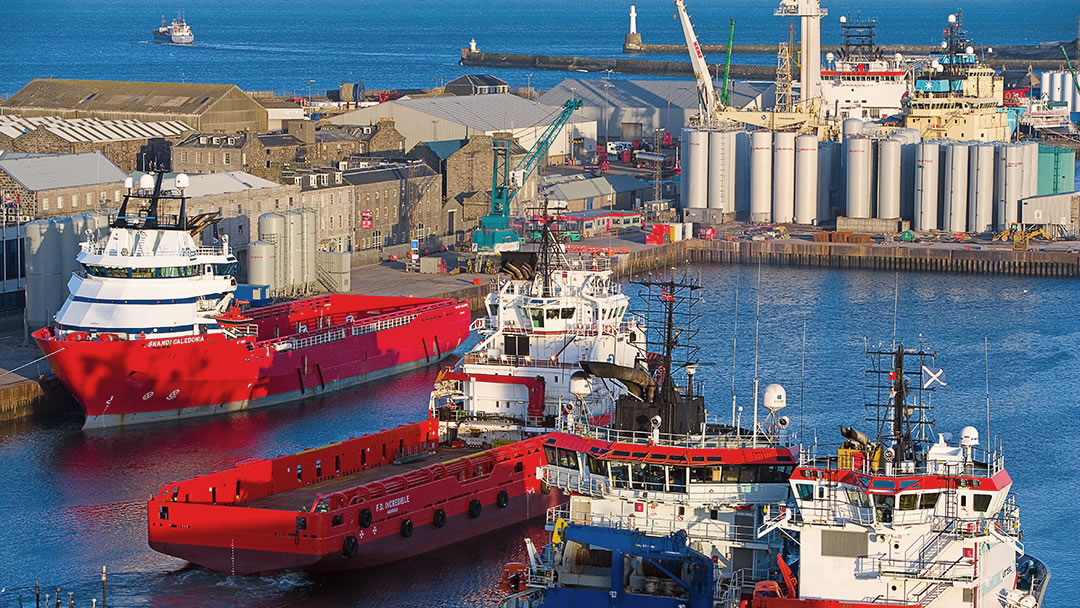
(227, 158)
(59, 202)
(45, 204)
(211, 160)
(198, 157)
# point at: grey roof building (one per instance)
(476, 84)
(443, 118)
(633, 109)
(579, 193)
(60, 184)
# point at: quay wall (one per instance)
(622, 66)
(30, 397)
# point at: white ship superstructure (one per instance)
(148, 277)
(859, 81)
(544, 316)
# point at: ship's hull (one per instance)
(349, 505)
(127, 382)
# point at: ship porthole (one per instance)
(502, 499)
(439, 519)
(365, 518)
(406, 528)
(350, 547)
(474, 508)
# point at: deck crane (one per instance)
(713, 112)
(494, 233)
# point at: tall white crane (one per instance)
(708, 102)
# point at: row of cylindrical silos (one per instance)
(284, 256)
(50, 248)
(1058, 86)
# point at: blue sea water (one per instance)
(284, 44)
(74, 501)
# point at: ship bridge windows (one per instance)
(981, 502)
(645, 476)
(711, 474)
(883, 508)
(805, 491)
(167, 272)
(857, 498)
(620, 474)
(536, 315)
(567, 459)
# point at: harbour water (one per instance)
(74, 501)
(283, 44)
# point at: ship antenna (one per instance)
(802, 378)
(895, 304)
(734, 347)
(757, 327)
(986, 361)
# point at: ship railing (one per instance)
(573, 425)
(572, 481)
(379, 324)
(982, 465)
(709, 529)
(241, 331)
(316, 339)
(833, 513)
(729, 591)
(961, 570)
(512, 360)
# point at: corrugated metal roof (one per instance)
(91, 129)
(209, 184)
(38, 172)
(496, 112)
(645, 93)
(117, 96)
(478, 80)
(578, 189)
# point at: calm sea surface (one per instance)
(74, 501)
(283, 44)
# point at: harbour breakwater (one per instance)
(622, 66)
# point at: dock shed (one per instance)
(202, 107)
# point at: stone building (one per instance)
(212, 153)
(393, 205)
(45, 185)
(202, 107)
(326, 191)
(127, 143)
(465, 168)
(476, 84)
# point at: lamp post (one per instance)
(528, 87)
(309, 83)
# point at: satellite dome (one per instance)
(952, 18)
(146, 181)
(775, 398)
(843, 19)
(969, 436)
(580, 386)
(129, 182)
(829, 57)
(182, 181)
(970, 50)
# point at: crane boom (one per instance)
(708, 102)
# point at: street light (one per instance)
(309, 83)
(529, 86)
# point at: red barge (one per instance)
(362, 502)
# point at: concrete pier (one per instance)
(623, 66)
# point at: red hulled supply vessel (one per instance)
(362, 502)
(151, 330)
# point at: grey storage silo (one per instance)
(310, 244)
(742, 174)
(806, 179)
(262, 263)
(955, 196)
(857, 176)
(294, 242)
(695, 175)
(826, 180)
(783, 194)
(721, 185)
(981, 188)
(926, 186)
(1010, 184)
(272, 231)
(42, 264)
(888, 181)
(761, 176)
(684, 190)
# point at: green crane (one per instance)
(725, 92)
(494, 233)
(1076, 83)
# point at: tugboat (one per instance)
(665, 503)
(546, 313)
(151, 330)
(176, 32)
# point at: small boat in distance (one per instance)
(176, 32)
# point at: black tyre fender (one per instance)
(545, 489)
(364, 518)
(439, 518)
(502, 499)
(406, 528)
(350, 546)
(475, 508)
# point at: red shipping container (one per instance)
(636, 144)
(667, 139)
(626, 156)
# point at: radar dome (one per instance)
(775, 398)
(829, 57)
(129, 182)
(580, 386)
(182, 181)
(969, 436)
(952, 18)
(970, 50)
(146, 181)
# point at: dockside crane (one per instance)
(494, 233)
(714, 110)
